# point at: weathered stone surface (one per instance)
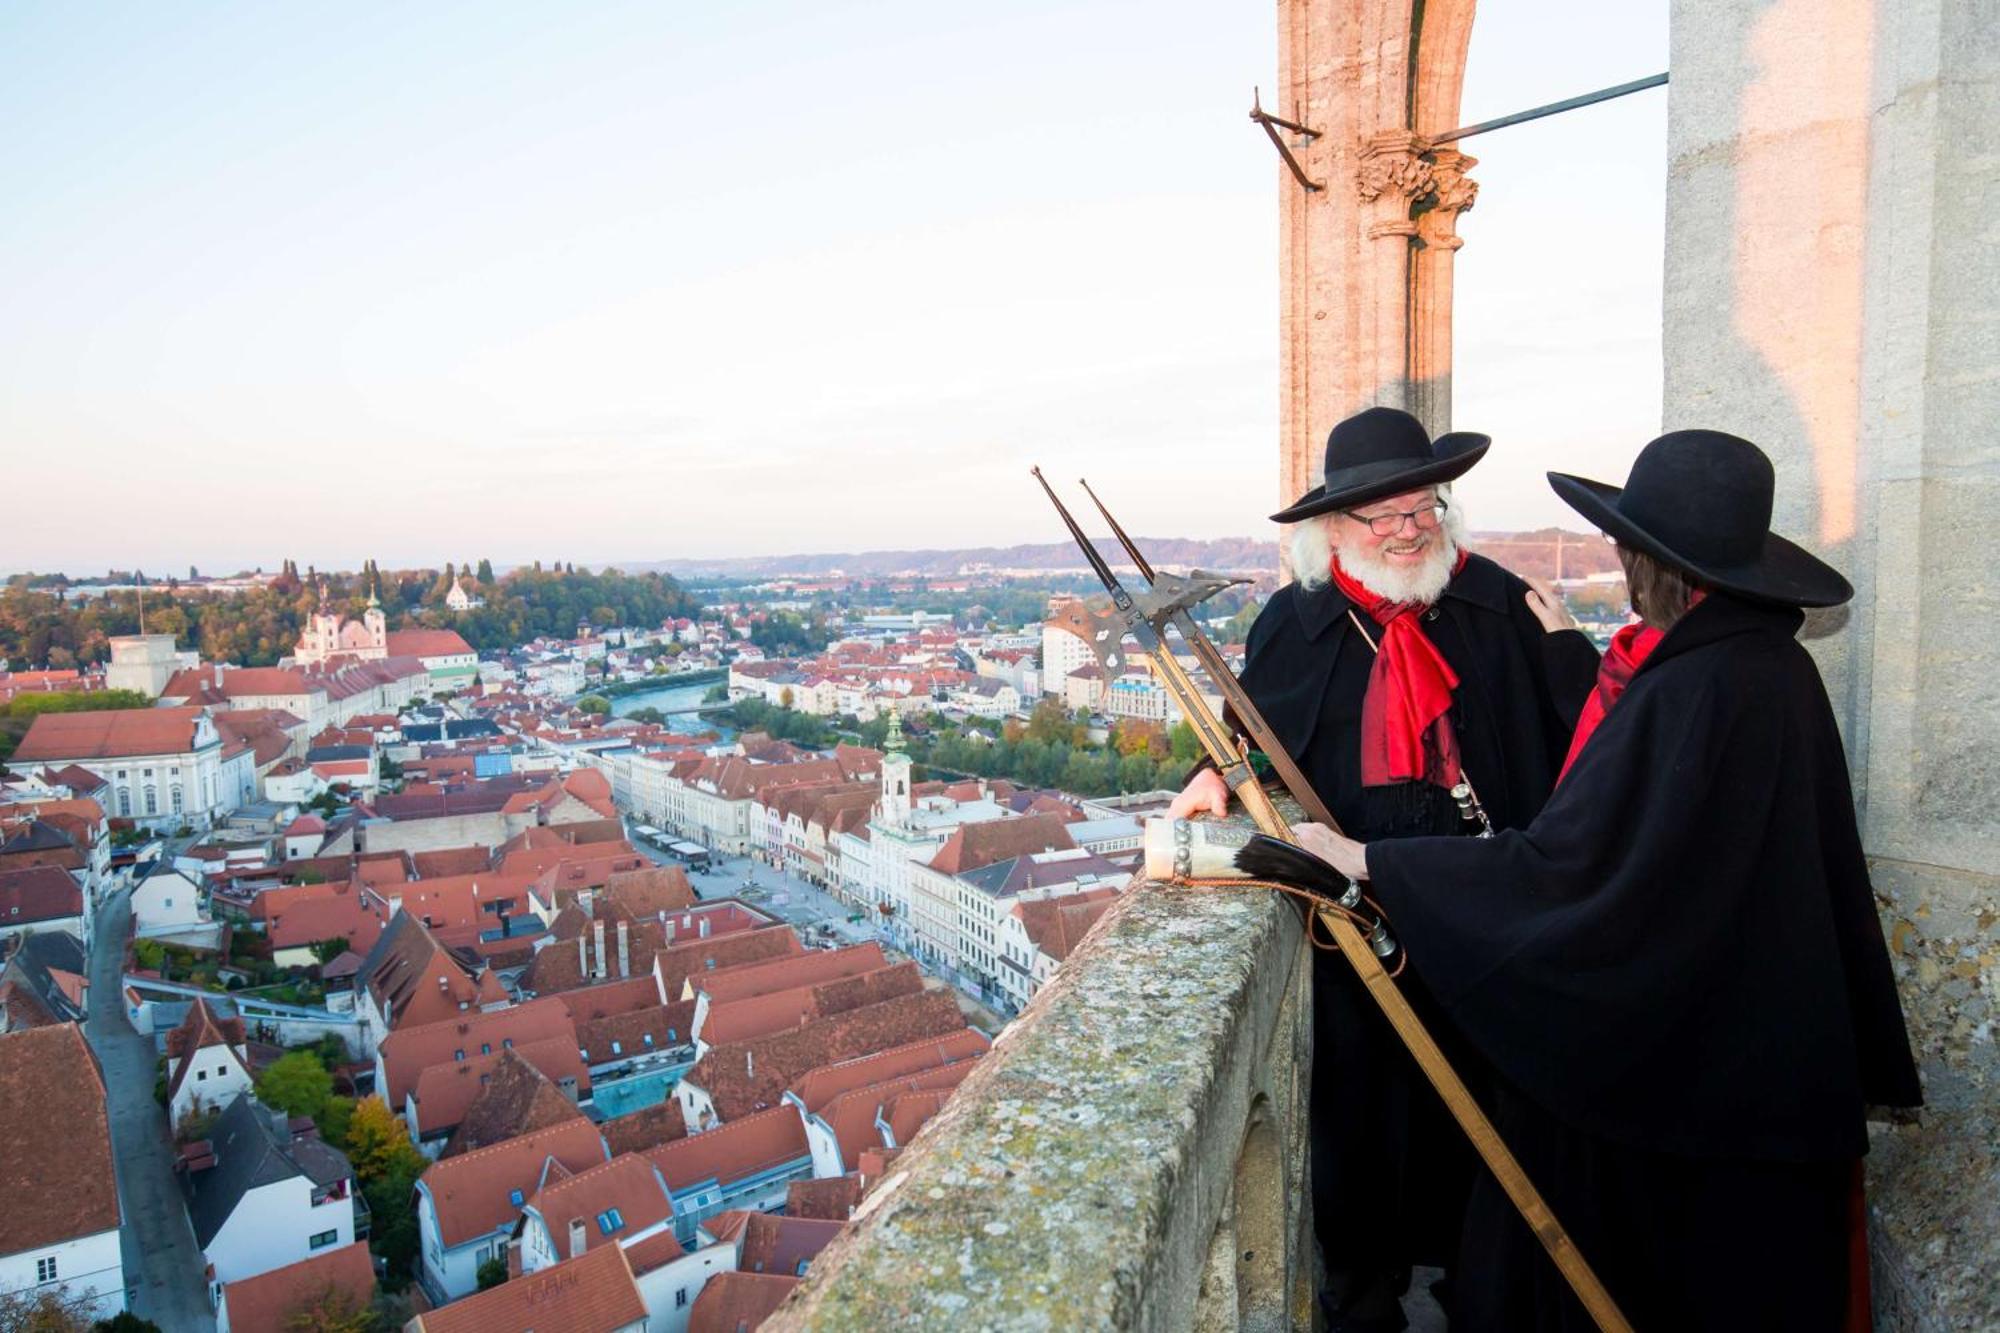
(1079, 1177)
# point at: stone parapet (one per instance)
(1130, 1155)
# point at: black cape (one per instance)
(1681, 952)
(1390, 1170)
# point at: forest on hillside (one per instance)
(43, 627)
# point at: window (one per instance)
(152, 800)
(125, 802)
(458, 1055)
(323, 1239)
(514, 1197)
(45, 1269)
(802, 1266)
(200, 1075)
(680, 1298)
(507, 1043)
(616, 1049)
(486, 1048)
(176, 795)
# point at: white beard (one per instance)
(1421, 584)
(1311, 552)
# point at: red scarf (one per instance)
(1630, 647)
(1406, 733)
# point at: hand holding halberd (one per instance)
(1206, 792)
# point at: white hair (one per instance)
(1310, 547)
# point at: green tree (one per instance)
(1183, 744)
(492, 1273)
(594, 703)
(329, 1309)
(325, 951)
(333, 1120)
(296, 1084)
(485, 574)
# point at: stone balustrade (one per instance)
(1130, 1155)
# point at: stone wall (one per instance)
(1130, 1155)
(1833, 293)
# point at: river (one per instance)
(667, 698)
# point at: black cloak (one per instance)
(1676, 969)
(1390, 1170)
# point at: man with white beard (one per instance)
(1396, 666)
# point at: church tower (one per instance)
(376, 624)
(895, 775)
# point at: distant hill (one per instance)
(1528, 553)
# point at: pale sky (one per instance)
(622, 282)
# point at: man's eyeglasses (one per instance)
(1387, 525)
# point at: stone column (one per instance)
(1833, 293)
(1365, 280)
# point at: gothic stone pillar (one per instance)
(1365, 261)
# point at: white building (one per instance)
(263, 1197)
(142, 662)
(166, 902)
(165, 766)
(208, 1064)
(59, 1235)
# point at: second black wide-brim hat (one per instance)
(1701, 501)
(1379, 452)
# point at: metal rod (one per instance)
(1269, 122)
(1567, 104)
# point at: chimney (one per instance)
(749, 1063)
(624, 949)
(576, 1238)
(597, 932)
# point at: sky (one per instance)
(610, 282)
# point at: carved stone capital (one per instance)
(1455, 189)
(1392, 164)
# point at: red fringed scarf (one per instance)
(1630, 647)
(1406, 733)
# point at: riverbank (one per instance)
(653, 684)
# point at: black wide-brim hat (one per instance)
(1700, 500)
(1383, 452)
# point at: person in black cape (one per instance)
(1676, 969)
(1389, 618)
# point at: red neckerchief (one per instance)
(1406, 735)
(1630, 647)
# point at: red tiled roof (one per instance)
(38, 893)
(199, 1030)
(827, 1082)
(1057, 925)
(648, 1127)
(971, 846)
(452, 861)
(408, 1051)
(733, 1150)
(744, 980)
(427, 643)
(348, 913)
(782, 1245)
(851, 1116)
(268, 1302)
(112, 733)
(593, 1294)
(758, 1015)
(742, 1077)
(697, 957)
(518, 1099)
(832, 1198)
(733, 1302)
(445, 1092)
(56, 1175)
(630, 1183)
(471, 1191)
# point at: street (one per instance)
(163, 1269)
